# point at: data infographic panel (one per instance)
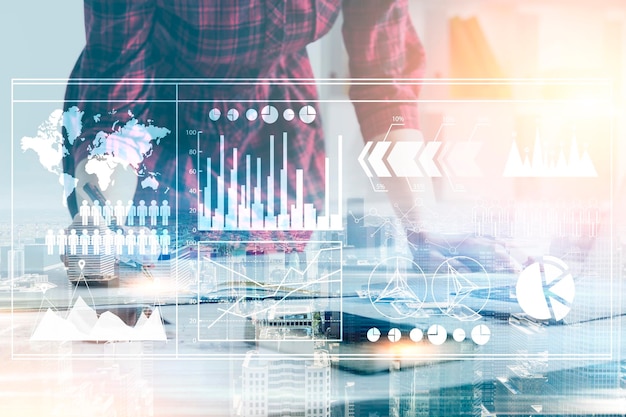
(221, 217)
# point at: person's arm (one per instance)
(118, 35)
(383, 44)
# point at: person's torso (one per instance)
(237, 38)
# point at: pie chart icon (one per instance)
(437, 334)
(307, 114)
(373, 334)
(545, 289)
(394, 335)
(269, 114)
(481, 334)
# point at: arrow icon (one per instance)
(402, 159)
(376, 159)
(426, 159)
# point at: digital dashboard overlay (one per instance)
(217, 218)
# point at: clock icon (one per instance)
(394, 335)
(373, 334)
(437, 334)
(269, 114)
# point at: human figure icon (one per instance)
(165, 241)
(62, 241)
(131, 212)
(107, 213)
(96, 241)
(72, 241)
(107, 241)
(50, 241)
(164, 212)
(84, 241)
(153, 212)
(142, 212)
(119, 212)
(131, 241)
(153, 241)
(85, 212)
(119, 242)
(96, 213)
(142, 241)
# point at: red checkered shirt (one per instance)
(236, 39)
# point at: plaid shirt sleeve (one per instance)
(382, 44)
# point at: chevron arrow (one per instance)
(402, 159)
(376, 159)
(426, 159)
(361, 159)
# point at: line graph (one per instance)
(268, 290)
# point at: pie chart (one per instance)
(289, 114)
(373, 334)
(458, 335)
(269, 114)
(545, 289)
(481, 334)
(307, 114)
(252, 115)
(215, 114)
(437, 334)
(232, 115)
(394, 335)
(416, 335)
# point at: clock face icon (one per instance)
(394, 335)
(373, 334)
(437, 334)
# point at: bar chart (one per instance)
(243, 198)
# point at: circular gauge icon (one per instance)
(252, 115)
(458, 335)
(215, 114)
(373, 334)
(289, 114)
(269, 114)
(307, 114)
(232, 115)
(437, 334)
(481, 334)
(416, 335)
(394, 335)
